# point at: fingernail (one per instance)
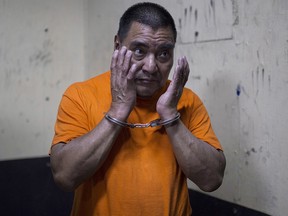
(116, 52)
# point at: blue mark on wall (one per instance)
(238, 90)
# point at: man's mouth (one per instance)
(145, 80)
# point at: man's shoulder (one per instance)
(190, 98)
(101, 79)
(187, 92)
(99, 82)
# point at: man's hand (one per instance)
(123, 87)
(200, 162)
(167, 103)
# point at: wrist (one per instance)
(168, 114)
(120, 113)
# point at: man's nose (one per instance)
(150, 64)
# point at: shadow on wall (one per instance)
(27, 188)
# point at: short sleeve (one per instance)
(72, 120)
(200, 124)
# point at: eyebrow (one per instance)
(168, 45)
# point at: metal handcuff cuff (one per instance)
(154, 123)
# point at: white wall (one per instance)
(252, 126)
(41, 53)
(241, 45)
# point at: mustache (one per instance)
(146, 76)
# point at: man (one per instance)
(104, 149)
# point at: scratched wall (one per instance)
(41, 53)
(238, 54)
(243, 81)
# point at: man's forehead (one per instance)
(141, 33)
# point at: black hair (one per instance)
(147, 13)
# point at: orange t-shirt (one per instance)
(141, 175)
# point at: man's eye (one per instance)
(138, 52)
(164, 54)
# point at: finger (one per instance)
(119, 71)
(134, 69)
(178, 72)
(183, 71)
(121, 57)
(132, 72)
(113, 65)
(186, 70)
(126, 62)
(180, 76)
(114, 59)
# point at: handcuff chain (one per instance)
(154, 123)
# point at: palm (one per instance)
(167, 103)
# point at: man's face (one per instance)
(155, 50)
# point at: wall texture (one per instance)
(242, 78)
(41, 53)
(238, 55)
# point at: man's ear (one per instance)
(116, 42)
